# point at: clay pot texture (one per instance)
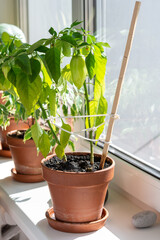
(25, 155)
(13, 126)
(78, 197)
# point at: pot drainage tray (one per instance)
(27, 178)
(5, 153)
(76, 227)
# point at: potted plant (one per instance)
(77, 185)
(8, 44)
(29, 87)
(77, 197)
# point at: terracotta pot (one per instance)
(78, 197)
(13, 126)
(24, 155)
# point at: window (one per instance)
(137, 133)
(45, 14)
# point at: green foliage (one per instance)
(78, 71)
(36, 132)
(23, 62)
(53, 62)
(52, 102)
(64, 138)
(28, 92)
(90, 63)
(44, 144)
(38, 85)
(35, 69)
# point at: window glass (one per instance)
(43, 14)
(138, 130)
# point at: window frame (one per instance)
(130, 171)
(127, 175)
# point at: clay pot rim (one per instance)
(9, 135)
(77, 173)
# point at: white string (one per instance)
(115, 116)
(80, 136)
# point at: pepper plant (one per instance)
(42, 82)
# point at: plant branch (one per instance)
(49, 124)
(89, 123)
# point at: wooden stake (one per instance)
(120, 81)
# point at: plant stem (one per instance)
(49, 124)
(89, 124)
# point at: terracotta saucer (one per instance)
(75, 227)
(27, 178)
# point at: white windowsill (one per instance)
(27, 203)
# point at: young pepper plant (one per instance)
(40, 81)
(26, 75)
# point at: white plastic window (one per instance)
(138, 130)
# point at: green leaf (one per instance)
(42, 49)
(44, 144)
(71, 145)
(36, 132)
(44, 93)
(35, 69)
(75, 23)
(69, 39)
(5, 70)
(12, 77)
(11, 46)
(36, 45)
(101, 45)
(59, 151)
(73, 110)
(27, 135)
(90, 63)
(65, 110)
(46, 77)
(105, 44)
(77, 35)
(64, 137)
(6, 85)
(52, 102)
(90, 39)
(18, 43)
(59, 44)
(93, 105)
(102, 109)
(66, 49)
(53, 62)
(28, 92)
(6, 38)
(99, 88)
(2, 78)
(66, 73)
(24, 63)
(101, 62)
(52, 31)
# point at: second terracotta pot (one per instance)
(13, 126)
(24, 155)
(78, 197)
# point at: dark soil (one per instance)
(18, 134)
(79, 163)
